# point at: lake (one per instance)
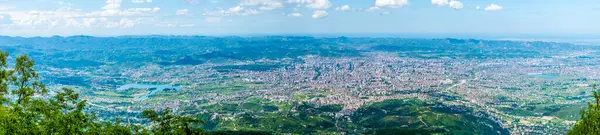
(153, 88)
(543, 76)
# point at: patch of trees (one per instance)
(589, 124)
(27, 108)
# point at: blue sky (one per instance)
(272, 17)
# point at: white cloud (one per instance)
(123, 23)
(171, 25)
(249, 12)
(236, 9)
(478, 7)
(216, 13)
(141, 1)
(187, 25)
(112, 16)
(230, 12)
(372, 9)
(113, 8)
(182, 12)
(299, 1)
(456, 4)
(140, 10)
(452, 4)
(295, 14)
(439, 2)
(193, 2)
(91, 22)
(314, 4)
(36, 18)
(263, 4)
(493, 7)
(64, 3)
(385, 13)
(320, 4)
(319, 14)
(7, 7)
(99, 22)
(83, 23)
(165, 25)
(391, 3)
(343, 8)
(112, 5)
(212, 19)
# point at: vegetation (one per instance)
(221, 75)
(165, 123)
(411, 116)
(395, 116)
(26, 108)
(589, 124)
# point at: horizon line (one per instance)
(571, 38)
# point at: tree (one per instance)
(25, 108)
(25, 81)
(589, 124)
(165, 123)
(21, 112)
(4, 75)
(24, 115)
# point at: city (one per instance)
(537, 92)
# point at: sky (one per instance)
(568, 18)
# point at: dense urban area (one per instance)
(338, 85)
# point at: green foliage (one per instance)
(395, 116)
(25, 108)
(24, 80)
(410, 116)
(589, 124)
(166, 123)
(405, 131)
(4, 75)
(240, 133)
